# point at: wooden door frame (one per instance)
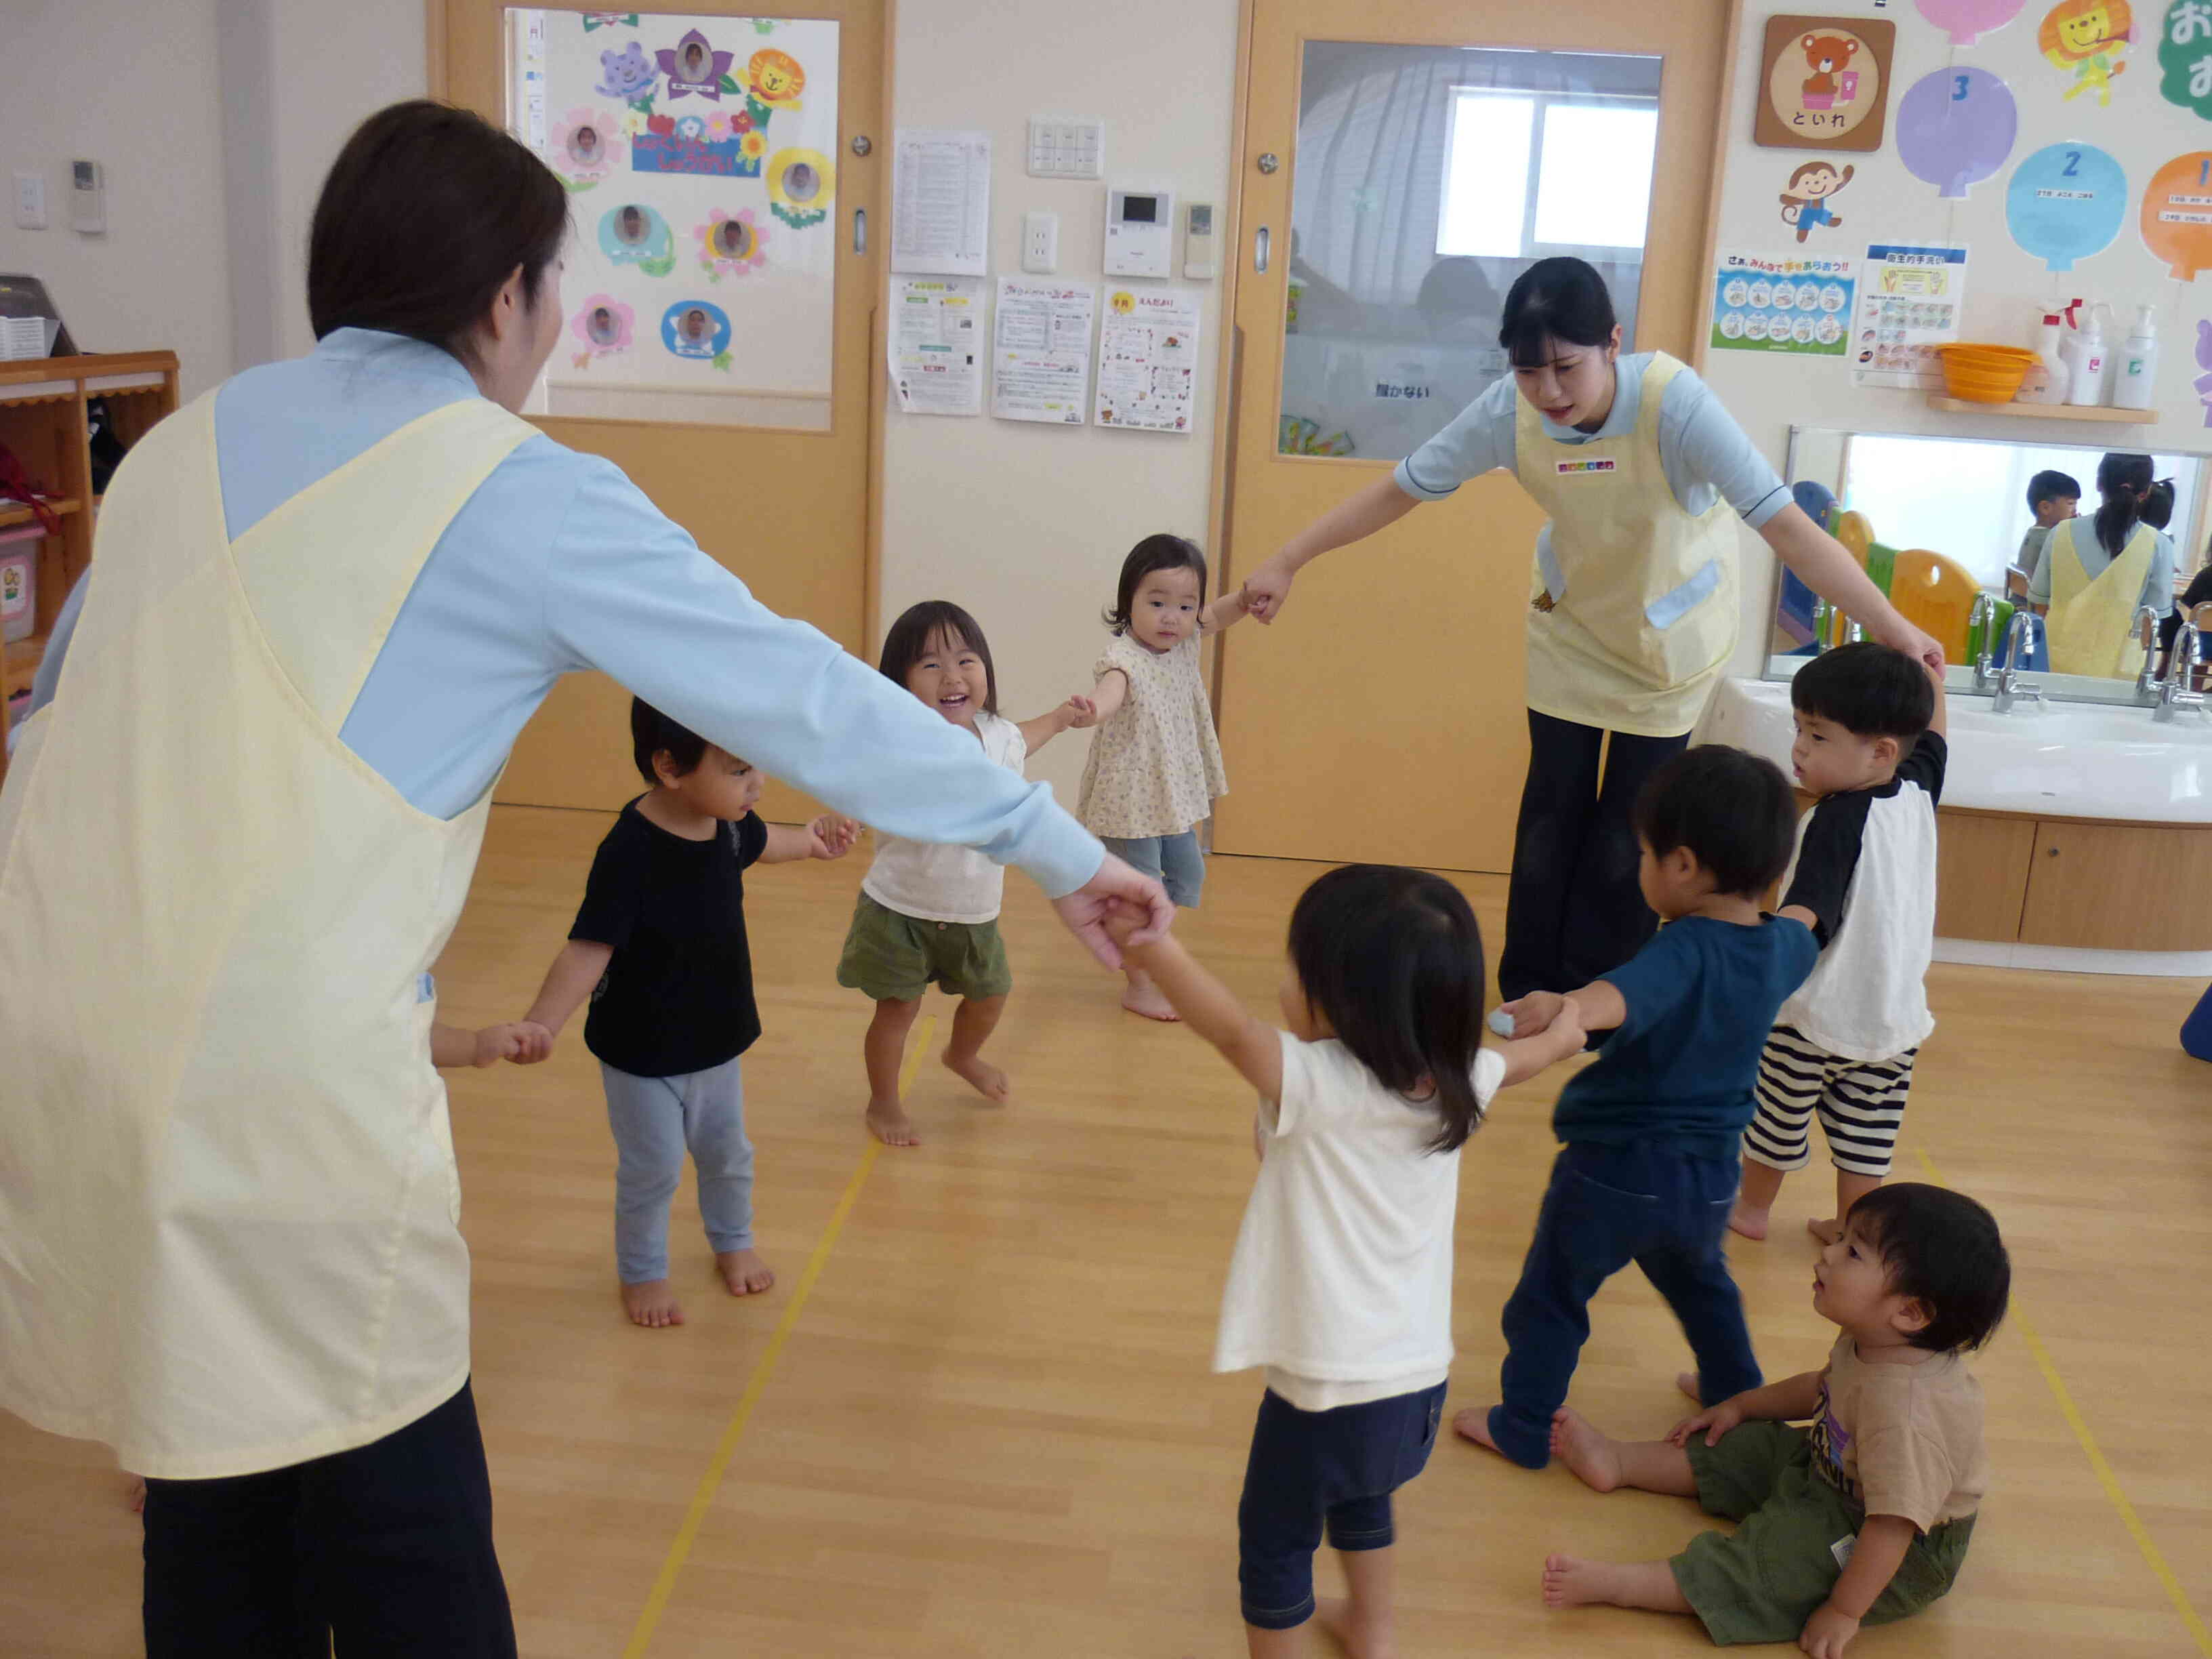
(435, 23)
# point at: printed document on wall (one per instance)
(940, 202)
(1041, 350)
(1148, 359)
(936, 344)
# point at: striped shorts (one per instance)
(1861, 1102)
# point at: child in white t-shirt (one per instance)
(1340, 1285)
(928, 913)
(1155, 767)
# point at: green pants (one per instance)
(894, 957)
(1762, 1584)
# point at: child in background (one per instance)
(659, 947)
(1647, 1174)
(928, 913)
(1340, 1285)
(1155, 767)
(2053, 497)
(1862, 1518)
(1870, 743)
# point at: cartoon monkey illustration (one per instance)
(1803, 204)
(1825, 55)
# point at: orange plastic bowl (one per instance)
(1985, 373)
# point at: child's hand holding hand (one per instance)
(1081, 713)
(830, 836)
(1715, 1420)
(1534, 1014)
(1827, 1632)
(523, 1041)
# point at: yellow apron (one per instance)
(2091, 626)
(228, 1207)
(1644, 594)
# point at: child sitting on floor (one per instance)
(1863, 1518)
(1649, 1172)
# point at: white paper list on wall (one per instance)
(940, 202)
(1041, 351)
(1148, 360)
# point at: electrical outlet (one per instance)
(1041, 243)
(30, 201)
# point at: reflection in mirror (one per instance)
(1428, 178)
(1945, 527)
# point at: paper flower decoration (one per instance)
(752, 146)
(693, 68)
(692, 127)
(584, 147)
(801, 187)
(731, 242)
(606, 325)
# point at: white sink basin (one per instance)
(2049, 760)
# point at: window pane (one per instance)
(1594, 188)
(1486, 188)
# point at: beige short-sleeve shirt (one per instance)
(1155, 767)
(1903, 1439)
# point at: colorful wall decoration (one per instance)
(2065, 203)
(1825, 83)
(1967, 21)
(1956, 127)
(2176, 214)
(706, 145)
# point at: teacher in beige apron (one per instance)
(237, 829)
(1633, 610)
(2094, 575)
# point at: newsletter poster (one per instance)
(1041, 350)
(1148, 360)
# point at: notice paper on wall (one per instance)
(936, 344)
(1781, 303)
(1911, 300)
(940, 202)
(1041, 350)
(1148, 359)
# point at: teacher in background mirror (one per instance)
(1633, 611)
(2096, 574)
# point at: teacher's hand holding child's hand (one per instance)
(1269, 588)
(1084, 911)
(830, 836)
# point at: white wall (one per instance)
(2007, 288)
(1026, 525)
(133, 87)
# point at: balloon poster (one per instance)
(1967, 21)
(2176, 214)
(1826, 83)
(2065, 203)
(1956, 127)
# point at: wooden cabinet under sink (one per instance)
(2078, 883)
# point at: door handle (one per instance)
(860, 230)
(1261, 239)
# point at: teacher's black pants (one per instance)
(1573, 909)
(384, 1551)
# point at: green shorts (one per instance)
(1762, 1584)
(893, 957)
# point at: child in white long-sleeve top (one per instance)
(1340, 1285)
(1155, 767)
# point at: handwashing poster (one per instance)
(1782, 302)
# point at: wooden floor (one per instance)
(989, 1428)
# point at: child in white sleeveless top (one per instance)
(930, 912)
(1155, 767)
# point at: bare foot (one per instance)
(889, 1123)
(1361, 1640)
(1747, 1221)
(1571, 1582)
(1593, 1457)
(986, 1079)
(1473, 1424)
(1688, 1382)
(1827, 1231)
(744, 1272)
(651, 1303)
(1148, 1000)
(133, 1492)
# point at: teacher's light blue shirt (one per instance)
(557, 564)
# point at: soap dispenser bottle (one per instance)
(2087, 386)
(2136, 370)
(2048, 377)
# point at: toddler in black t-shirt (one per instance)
(659, 947)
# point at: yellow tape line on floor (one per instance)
(678, 1552)
(2106, 1478)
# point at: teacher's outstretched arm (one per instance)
(1826, 565)
(1379, 506)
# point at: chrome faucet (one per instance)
(1984, 615)
(2147, 689)
(2020, 639)
(2173, 692)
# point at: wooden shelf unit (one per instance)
(43, 420)
(2044, 411)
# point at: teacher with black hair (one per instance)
(239, 826)
(1634, 612)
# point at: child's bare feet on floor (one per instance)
(1593, 1457)
(1571, 1582)
(652, 1303)
(889, 1123)
(986, 1079)
(1143, 997)
(1747, 1221)
(1334, 1614)
(744, 1272)
(1827, 1231)
(1473, 1424)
